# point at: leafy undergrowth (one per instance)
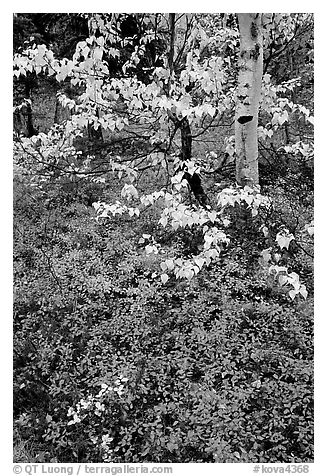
(111, 365)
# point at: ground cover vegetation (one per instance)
(163, 237)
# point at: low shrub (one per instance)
(112, 366)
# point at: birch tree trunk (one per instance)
(247, 98)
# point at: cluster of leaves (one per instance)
(180, 215)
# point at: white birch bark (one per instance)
(247, 98)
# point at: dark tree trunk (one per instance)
(30, 129)
(172, 42)
(186, 138)
(56, 114)
(194, 180)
